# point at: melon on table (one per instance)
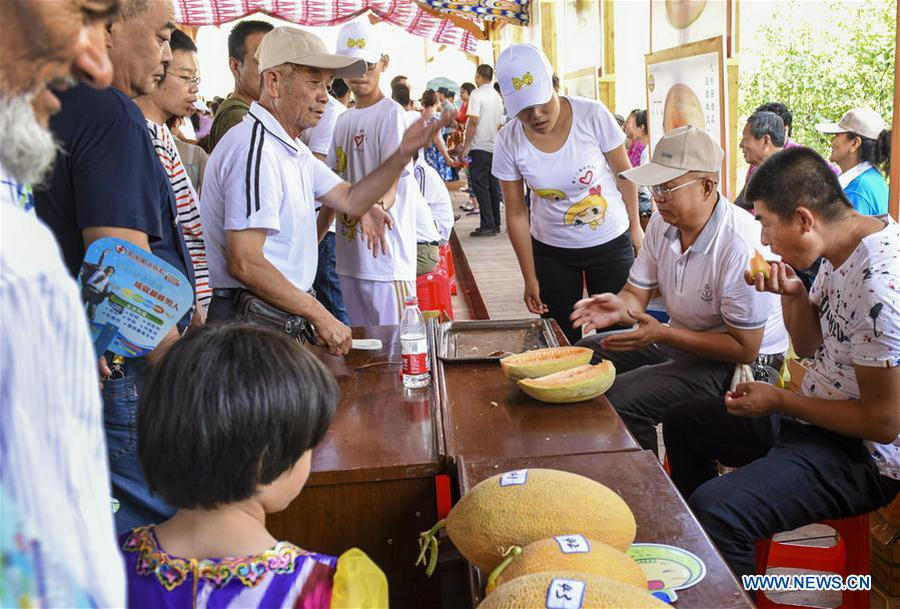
(542, 362)
(519, 507)
(595, 592)
(569, 553)
(574, 385)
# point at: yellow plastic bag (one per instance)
(358, 583)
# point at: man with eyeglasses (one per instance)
(109, 183)
(175, 96)
(695, 252)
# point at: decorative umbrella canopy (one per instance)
(405, 14)
(510, 11)
(441, 81)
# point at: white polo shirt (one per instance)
(436, 194)
(260, 177)
(704, 287)
(487, 105)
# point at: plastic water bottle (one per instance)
(414, 347)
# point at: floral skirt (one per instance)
(434, 158)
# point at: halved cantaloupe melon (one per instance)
(574, 385)
(541, 362)
(568, 553)
(517, 508)
(758, 265)
(594, 591)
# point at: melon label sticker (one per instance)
(565, 594)
(573, 544)
(514, 478)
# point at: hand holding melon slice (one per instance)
(758, 265)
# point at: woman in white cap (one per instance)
(860, 145)
(584, 218)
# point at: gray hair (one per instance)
(134, 8)
(27, 149)
(767, 123)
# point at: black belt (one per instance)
(438, 243)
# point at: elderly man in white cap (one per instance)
(859, 145)
(261, 187)
(695, 252)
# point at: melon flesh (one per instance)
(541, 362)
(547, 555)
(575, 385)
(758, 265)
(490, 518)
(599, 593)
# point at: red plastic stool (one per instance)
(447, 264)
(850, 556)
(433, 291)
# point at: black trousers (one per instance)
(561, 273)
(790, 475)
(487, 189)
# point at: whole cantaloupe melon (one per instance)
(570, 553)
(595, 591)
(519, 507)
(542, 362)
(574, 385)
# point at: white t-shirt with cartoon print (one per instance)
(575, 202)
(363, 140)
(859, 312)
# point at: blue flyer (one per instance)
(132, 298)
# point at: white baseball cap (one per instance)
(358, 39)
(292, 45)
(681, 150)
(864, 121)
(525, 76)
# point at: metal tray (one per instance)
(489, 340)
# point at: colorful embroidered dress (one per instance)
(285, 576)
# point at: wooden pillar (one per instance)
(607, 77)
(734, 129)
(894, 195)
(548, 32)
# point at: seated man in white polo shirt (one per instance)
(695, 252)
(261, 184)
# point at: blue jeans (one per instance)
(137, 505)
(327, 284)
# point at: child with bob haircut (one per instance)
(225, 431)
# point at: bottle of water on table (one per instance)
(414, 346)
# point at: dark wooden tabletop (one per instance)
(380, 430)
(486, 415)
(661, 514)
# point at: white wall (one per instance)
(632, 42)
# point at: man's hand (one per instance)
(637, 239)
(199, 317)
(336, 335)
(782, 280)
(598, 311)
(421, 133)
(373, 224)
(753, 400)
(648, 331)
(103, 370)
(533, 298)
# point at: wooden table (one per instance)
(372, 479)
(485, 415)
(661, 514)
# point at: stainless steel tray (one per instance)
(489, 340)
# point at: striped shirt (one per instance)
(186, 201)
(53, 458)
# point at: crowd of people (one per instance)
(308, 200)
